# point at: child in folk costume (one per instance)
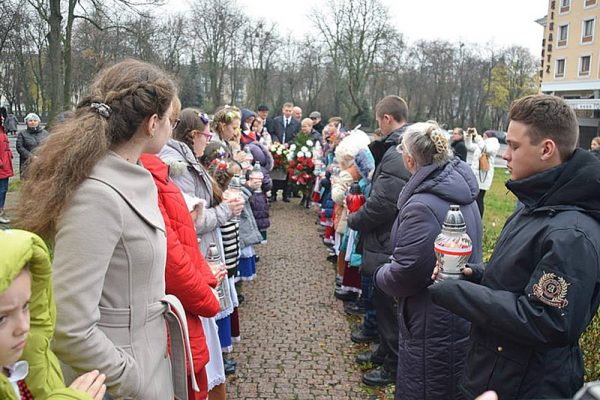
(216, 160)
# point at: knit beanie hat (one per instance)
(365, 163)
(32, 117)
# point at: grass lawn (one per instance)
(14, 184)
(499, 205)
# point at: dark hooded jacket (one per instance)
(433, 341)
(260, 209)
(375, 218)
(539, 290)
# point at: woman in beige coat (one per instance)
(89, 195)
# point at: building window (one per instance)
(590, 3)
(563, 35)
(585, 63)
(565, 6)
(559, 68)
(587, 30)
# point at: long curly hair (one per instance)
(134, 91)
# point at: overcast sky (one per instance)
(502, 23)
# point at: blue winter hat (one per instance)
(365, 163)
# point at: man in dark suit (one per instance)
(285, 127)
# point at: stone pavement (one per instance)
(295, 336)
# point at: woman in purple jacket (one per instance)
(433, 341)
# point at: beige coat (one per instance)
(338, 195)
(109, 265)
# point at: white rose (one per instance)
(279, 152)
(273, 148)
(304, 149)
(309, 143)
(293, 147)
(300, 154)
(308, 154)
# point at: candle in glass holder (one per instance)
(453, 246)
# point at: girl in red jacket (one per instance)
(6, 171)
(187, 275)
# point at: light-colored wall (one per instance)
(574, 48)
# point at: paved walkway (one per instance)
(295, 335)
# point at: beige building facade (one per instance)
(570, 66)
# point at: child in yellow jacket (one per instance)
(27, 315)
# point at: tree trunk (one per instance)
(55, 61)
(68, 80)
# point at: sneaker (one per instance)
(4, 219)
(328, 241)
(229, 365)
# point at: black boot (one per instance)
(354, 308)
(359, 336)
(378, 377)
(368, 356)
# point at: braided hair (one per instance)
(427, 144)
(119, 100)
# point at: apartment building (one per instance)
(570, 66)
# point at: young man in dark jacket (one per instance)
(374, 221)
(541, 287)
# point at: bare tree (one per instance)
(355, 31)
(261, 42)
(216, 24)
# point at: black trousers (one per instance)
(387, 327)
(280, 185)
(480, 203)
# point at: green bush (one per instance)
(590, 345)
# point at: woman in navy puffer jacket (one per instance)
(433, 341)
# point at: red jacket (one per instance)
(6, 169)
(187, 275)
